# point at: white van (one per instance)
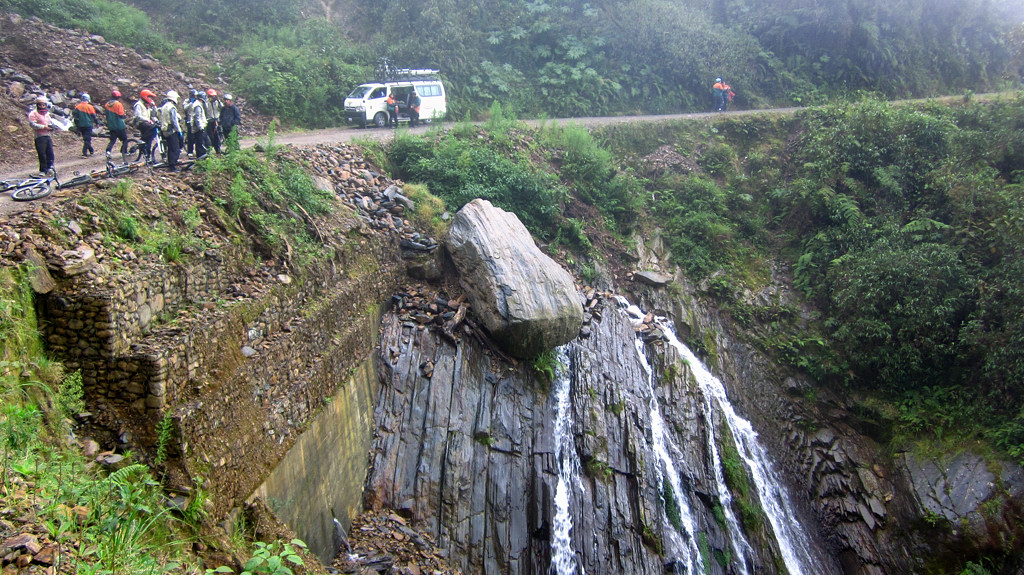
(366, 104)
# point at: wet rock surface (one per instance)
(465, 449)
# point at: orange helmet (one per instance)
(147, 96)
(211, 93)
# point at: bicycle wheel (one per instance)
(33, 192)
(136, 149)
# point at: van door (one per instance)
(433, 102)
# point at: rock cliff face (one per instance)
(526, 300)
(467, 451)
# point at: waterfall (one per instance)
(563, 557)
(740, 545)
(664, 449)
(792, 541)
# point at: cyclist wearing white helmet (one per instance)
(85, 119)
(39, 119)
(170, 129)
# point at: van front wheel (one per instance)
(380, 119)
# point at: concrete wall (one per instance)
(323, 474)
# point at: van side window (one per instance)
(428, 90)
(379, 93)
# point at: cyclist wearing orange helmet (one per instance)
(145, 121)
(115, 124)
(213, 108)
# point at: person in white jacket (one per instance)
(197, 124)
(170, 129)
(145, 120)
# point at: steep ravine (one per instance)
(468, 453)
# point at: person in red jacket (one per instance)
(116, 125)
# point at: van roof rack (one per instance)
(386, 72)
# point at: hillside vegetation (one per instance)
(297, 59)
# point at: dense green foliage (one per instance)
(119, 522)
(904, 225)
(569, 58)
(300, 74)
(502, 164)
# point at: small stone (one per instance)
(284, 278)
(90, 448)
(25, 542)
(248, 351)
(109, 459)
(47, 556)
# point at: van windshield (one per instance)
(360, 91)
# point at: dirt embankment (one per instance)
(37, 58)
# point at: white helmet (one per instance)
(42, 100)
(172, 96)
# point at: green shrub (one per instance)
(460, 171)
(299, 74)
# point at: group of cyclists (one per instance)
(199, 126)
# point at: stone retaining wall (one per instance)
(241, 375)
(238, 426)
(94, 326)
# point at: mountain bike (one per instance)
(28, 189)
(81, 179)
(111, 170)
(138, 150)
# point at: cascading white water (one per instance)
(792, 541)
(664, 449)
(740, 545)
(563, 557)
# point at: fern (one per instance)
(846, 208)
(123, 476)
(923, 225)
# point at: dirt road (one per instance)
(67, 166)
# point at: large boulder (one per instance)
(526, 300)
